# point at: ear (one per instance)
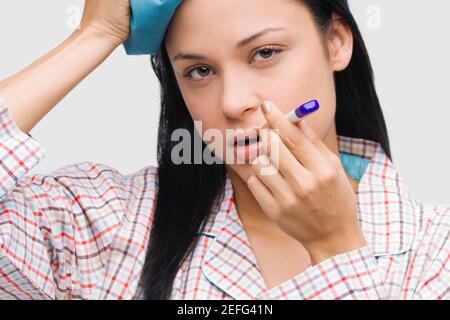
(340, 43)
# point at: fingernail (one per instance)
(262, 160)
(266, 106)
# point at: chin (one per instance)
(244, 171)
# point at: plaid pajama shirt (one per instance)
(80, 232)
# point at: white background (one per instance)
(112, 116)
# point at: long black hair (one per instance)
(183, 203)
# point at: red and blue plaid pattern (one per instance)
(80, 232)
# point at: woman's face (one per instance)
(289, 64)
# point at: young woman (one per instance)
(335, 221)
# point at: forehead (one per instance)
(207, 23)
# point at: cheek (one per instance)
(309, 77)
(212, 123)
(199, 107)
(208, 119)
(211, 126)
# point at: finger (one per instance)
(295, 140)
(265, 171)
(262, 194)
(282, 158)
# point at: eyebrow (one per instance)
(240, 44)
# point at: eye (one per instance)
(266, 53)
(202, 70)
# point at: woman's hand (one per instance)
(307, 193)
(107, 18)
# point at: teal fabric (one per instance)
(354, 166)
(148, 23)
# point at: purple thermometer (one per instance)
(303, 111)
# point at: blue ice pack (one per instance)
(148, 23)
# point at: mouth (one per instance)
(244, 137)
(246, 141)
(247, 145)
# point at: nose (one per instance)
(239, 98)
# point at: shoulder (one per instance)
(95, 176)
(89, 187)
(430, 233)
(433, 217)
(426, 213)
(78, 212)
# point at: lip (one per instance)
(245, 154)
(242, 135)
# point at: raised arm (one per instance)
(48, 222)
(33, 92)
